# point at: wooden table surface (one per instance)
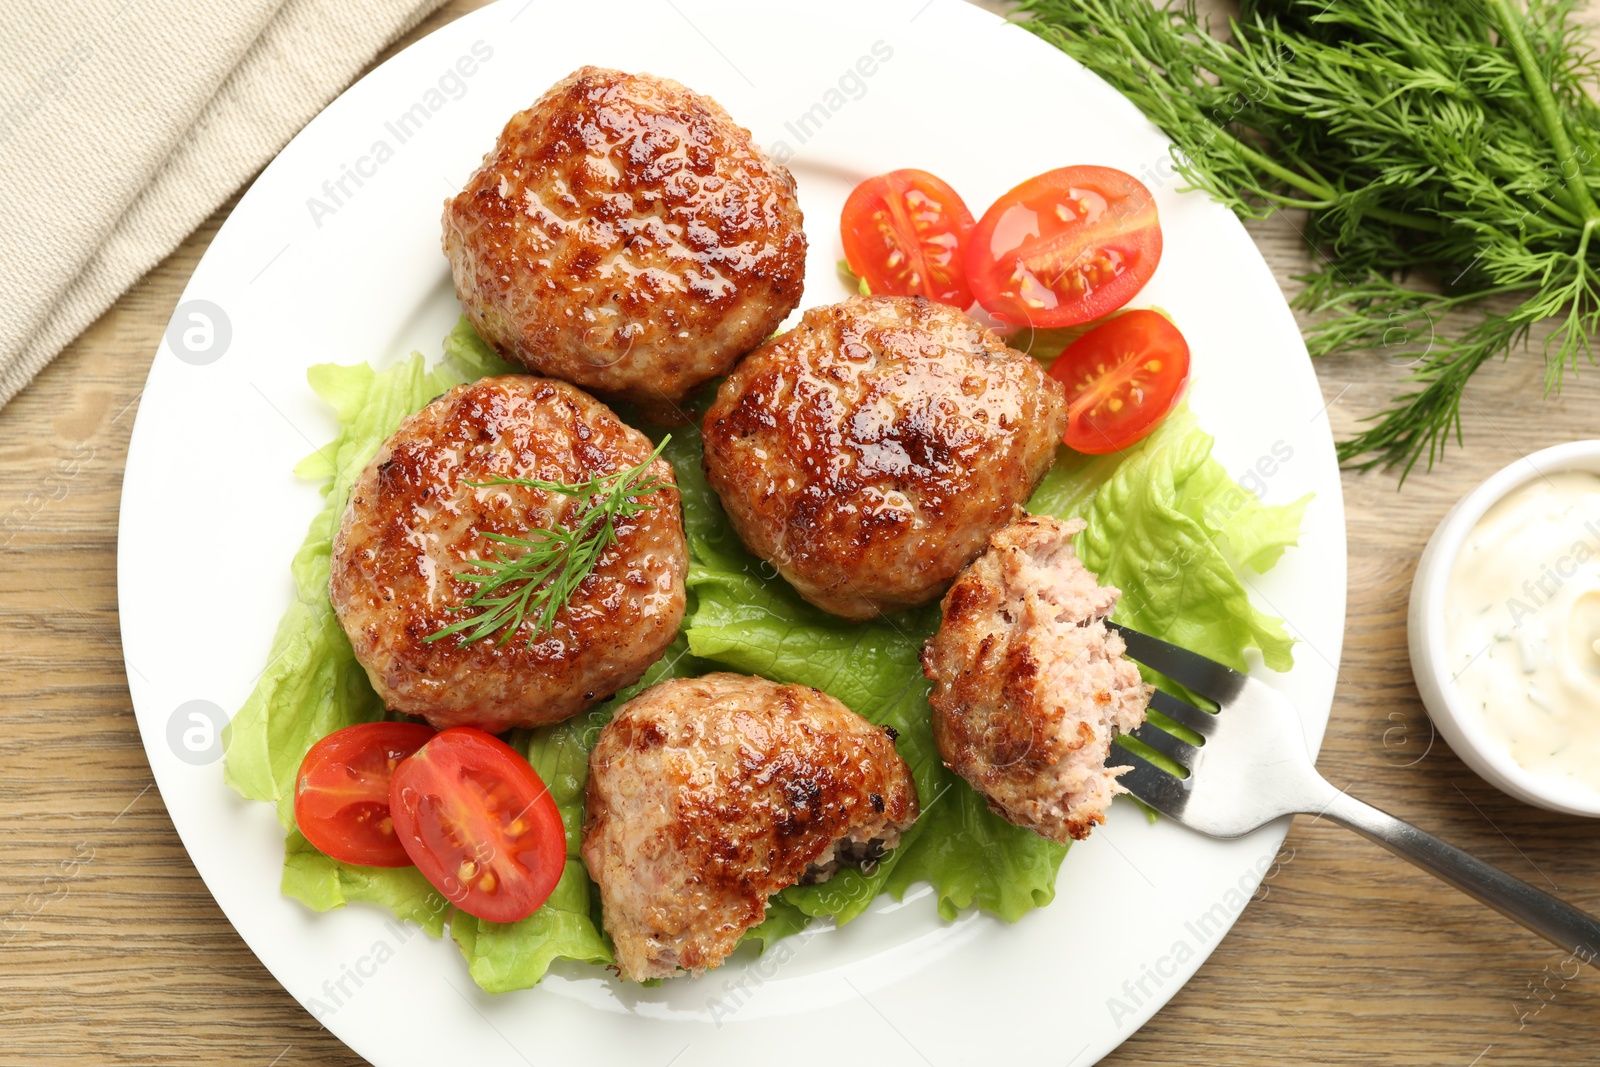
(112, 950)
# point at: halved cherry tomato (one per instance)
(1065, 248)
(1122, 379)
(479, 824)
(341, 795)
(905, 233)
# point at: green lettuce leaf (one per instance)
(313, 685)
(1250, 533)
(1156, 529)
(1165, 523)
(506, 956)
(783, 920)
(323, 884)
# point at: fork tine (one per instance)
(1205, 676)
(1166, 744)
(1148, 782)
(1183, 713)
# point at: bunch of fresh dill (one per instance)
(1446, 150)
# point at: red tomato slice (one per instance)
(1122, 379)
(905, 232)
(1065, 248)
(341, 795)
(479, 824)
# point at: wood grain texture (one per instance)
(112, 950)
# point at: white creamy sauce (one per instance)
(1522, 625)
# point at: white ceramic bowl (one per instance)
(1460, 723)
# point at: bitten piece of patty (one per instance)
(707, 795)
(1030, 686)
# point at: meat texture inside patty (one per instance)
(708, 795)
(626, 235)
(871, 451)
(1030, 686)
(414, 524)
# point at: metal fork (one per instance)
(1253, 768)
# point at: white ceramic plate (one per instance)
(334, 255)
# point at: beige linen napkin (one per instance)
(125, 123)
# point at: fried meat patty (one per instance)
(871, 451)
(626, 235)
(707, 795)
(414, 524)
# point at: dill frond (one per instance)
(543, 577)
(1446, 152)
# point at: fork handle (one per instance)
(1569, 928)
